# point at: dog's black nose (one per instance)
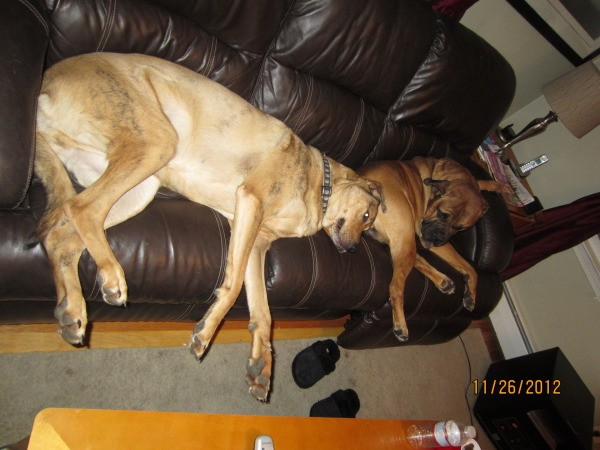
(352, 249)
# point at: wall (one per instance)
(554, 299)
(533, 59)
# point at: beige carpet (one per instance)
(416, 382)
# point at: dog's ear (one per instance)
(490, 185)
(376, 190)
(437, 186)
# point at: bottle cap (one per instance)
(470, 432)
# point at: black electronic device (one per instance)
(535, 402)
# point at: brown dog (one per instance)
(125, 125)
(434, 199)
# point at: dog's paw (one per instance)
(468, 302)
(70, 326)
(401, 334)
(113, 296)
(114, 289)
(447, 287)
(197, 347)
(258, 383)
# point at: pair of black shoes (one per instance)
(312, 364)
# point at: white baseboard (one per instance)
(509, 329)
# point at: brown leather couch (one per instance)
(361, 80)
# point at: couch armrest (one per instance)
(24, 33)
(489, 244)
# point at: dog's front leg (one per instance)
(403, 253)
(452, 257)
(246, 223)
(444, 284)
(259, 365)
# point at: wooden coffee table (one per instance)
(57, 429)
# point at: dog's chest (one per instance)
(204, 182)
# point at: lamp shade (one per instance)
(575, 98)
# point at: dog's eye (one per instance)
(442, 215)
(366, 216)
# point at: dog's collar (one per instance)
(326, 189)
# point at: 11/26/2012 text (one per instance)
(516, 387)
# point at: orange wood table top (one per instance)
(58, 428)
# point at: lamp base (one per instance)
(506, 133)
(533, 128)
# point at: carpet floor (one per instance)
(414, 382)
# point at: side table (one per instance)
(520, 216)
(58, 428)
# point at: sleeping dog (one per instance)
(432, 199)
(125, 125)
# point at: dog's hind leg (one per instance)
(246, 224)
(62, 243)
(259, 365)
(123, 190)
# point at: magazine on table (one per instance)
(515, 194)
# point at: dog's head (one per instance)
(352, 209)
(455, 202)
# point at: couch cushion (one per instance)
(327, 68)
(21, 75)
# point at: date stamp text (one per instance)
(516, 387)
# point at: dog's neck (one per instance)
(326, 187)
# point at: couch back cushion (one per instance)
(358, 79)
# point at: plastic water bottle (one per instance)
(431, 434)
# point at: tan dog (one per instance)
(125, 125)
(434, 199)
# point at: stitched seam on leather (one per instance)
(458, 310)
(479, 254)
(356, 132)
(422, 299)
(30, 166)
(37, 15)
(388, 118)
(95, 288)
(304, 110)
(268, 52)
(372, 266)
(187, 311)
(313, 275)
(373, 155)
(40, 18)
(384, 337)
(223, 256)
(433, 327)
(432, 147)
(211, 56)
(400, 98)
(110, 20)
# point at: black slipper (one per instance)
(339, 404)
(314, 362)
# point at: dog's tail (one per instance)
(57, 183)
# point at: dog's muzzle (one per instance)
(341, 243)
(351, 249)
(434, 233)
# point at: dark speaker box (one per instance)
(535, 402)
